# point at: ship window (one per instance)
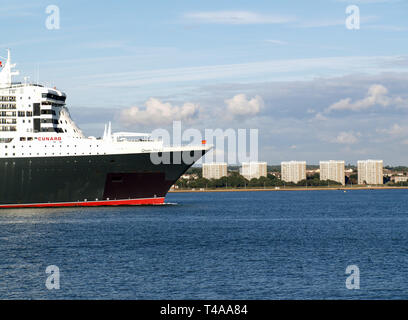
(36, 109)
(48, 112)
(22, 139)
(54, 97)
(8, 128)
(37, 125)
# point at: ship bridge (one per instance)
(28, 110)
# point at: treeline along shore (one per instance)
(342, 188)
(193, 181)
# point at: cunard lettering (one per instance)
(49, 139)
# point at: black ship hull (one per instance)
(97, 180)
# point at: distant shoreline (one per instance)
(290, 189)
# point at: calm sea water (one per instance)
(234, 245)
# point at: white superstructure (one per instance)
(35, 122)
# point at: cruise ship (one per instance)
(47, 161)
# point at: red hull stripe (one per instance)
(126, 202)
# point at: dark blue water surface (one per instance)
(224, 245)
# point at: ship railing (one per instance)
(133, 137)
(20, 84)
(190, 147)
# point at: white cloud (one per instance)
(278, 42)
(386, 28)
(346, 138)
(239, 105)
(319, 116)
(236, 17)
(320, 23)
(158, 113)
(377, 95)
(285, 69)
(395, 130)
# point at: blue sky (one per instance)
(323, 91)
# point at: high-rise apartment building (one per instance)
(251, 170)
(293, 171)
(332, 170)
(214, 170)
(370, 172)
